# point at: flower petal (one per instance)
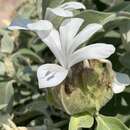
(121, 80)
(52, 40)
(58, 12)
(25, 24)
(64, 10)
(19, 23)
(85, 34)
(40, 25)
(94, 51)
(72, 6)
(50, 75)
(68, 30)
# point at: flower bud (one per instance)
(86, 89)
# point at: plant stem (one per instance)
(44, 6)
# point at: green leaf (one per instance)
(125, 60)
(39, 47)
(54, 3)
(28, 53)
(109, 123)
(111, 2)
(2, 68)
(6, 92)
(43, 127)
(7, 44)
(125, 34)
(124, 6)
(81, 121)
(27, 10)
(108, 20)
(4, 118)
(92, 16)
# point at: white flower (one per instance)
(64, 45)
(120, 80)
(64, 10)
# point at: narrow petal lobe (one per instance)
(68, 30)
(85, 34)
(94, 51)
(40, 25)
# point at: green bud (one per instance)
(86, 89)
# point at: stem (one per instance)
(44, 6)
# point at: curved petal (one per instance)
(68, 30)
(72, 6)
(94, 51)
(40, 25)
(25, 24)
(58, 12)
(121, 80)
(64, 10)
(85, 34)
(19, 23)
(52, 40)
(50, 75)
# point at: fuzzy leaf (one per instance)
(6, 92)
(81, 121)
(109, 123)
(7, 44)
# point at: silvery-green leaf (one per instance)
(6, 92)
(81, 121)
(2, 68)
(124, 59)
(112, 2)
(109, 20)
(85, 34)
(27, 53)
(109, 123)
(4, 117)
(7, 44)
(55, 3)
(121, 80)
(94, 51)
(50, 75)
(93, 16)
(124, 6)
(125, 34)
